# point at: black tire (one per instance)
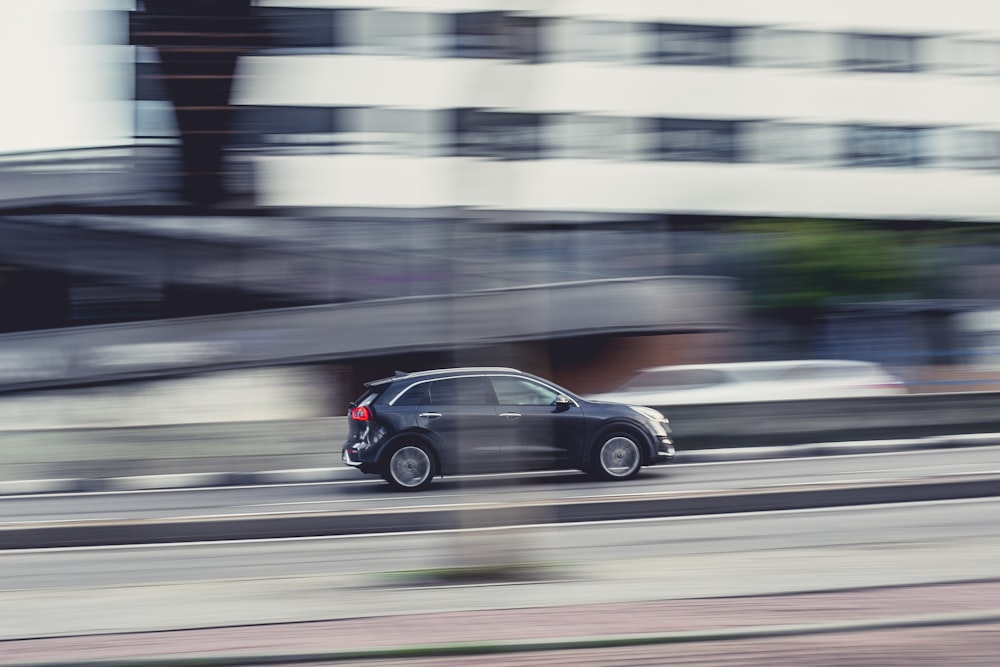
(410, 467)
(617, 456)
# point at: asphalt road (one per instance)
(356, 492)
(73, 591)
(113, 589)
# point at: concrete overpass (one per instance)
(317, 288)
(339, 332)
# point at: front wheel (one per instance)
(410, 468)
(617, 457)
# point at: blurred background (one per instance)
(218, 210)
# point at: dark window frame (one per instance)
(487, 133)
(295, 28)
(497, 34)
(856, 43)
(856, 155)
(726, 130)
(723, 57)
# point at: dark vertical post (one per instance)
(199, 42)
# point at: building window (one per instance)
(579, 40)
(328, 130)
(774, 142)
(697, 140)
(765, 47)
(154, 119)
(497, 134)
(881, 146)
(149, 83)
(390, 131)
(293, 29)
(966, 57)
(398, 33)
(692, 44)
(579, 136)
(960, 148)
(882, 53)
(297, 130)
(497, 35)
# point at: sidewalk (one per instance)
(940, 624)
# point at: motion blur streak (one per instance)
(220, 218)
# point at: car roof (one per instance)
(438, 372)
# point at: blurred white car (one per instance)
(754, 381)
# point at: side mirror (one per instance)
(563, 402)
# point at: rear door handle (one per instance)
(430, 415)
(510, 415)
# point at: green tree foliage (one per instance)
(800, 268)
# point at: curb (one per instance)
(435, 518)
(175, 481)
(534, 646)
(321, 475)
(840, 448)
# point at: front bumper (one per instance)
(664, 450)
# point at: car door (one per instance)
(460, 412)
(537, 433)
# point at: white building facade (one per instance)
(878, 109)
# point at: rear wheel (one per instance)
(410, 467)
(617, 456)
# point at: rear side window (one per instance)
(411, 396)
(458, 391)
(370, 395)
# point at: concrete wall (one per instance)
(251, 446)
(258, 394)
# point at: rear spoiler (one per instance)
(397, 374)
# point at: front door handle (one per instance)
(510, 415)
(430, 415)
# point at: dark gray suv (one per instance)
(414, 426)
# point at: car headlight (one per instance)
(650, 413)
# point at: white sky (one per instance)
(62, 85)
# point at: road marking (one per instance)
(534, 526)
(677, 463)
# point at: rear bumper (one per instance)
(350, 456)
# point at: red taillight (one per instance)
(361, 413)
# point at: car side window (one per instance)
(518, 391)
(412, 396)
(457, 391)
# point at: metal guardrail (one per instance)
(771, 423)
